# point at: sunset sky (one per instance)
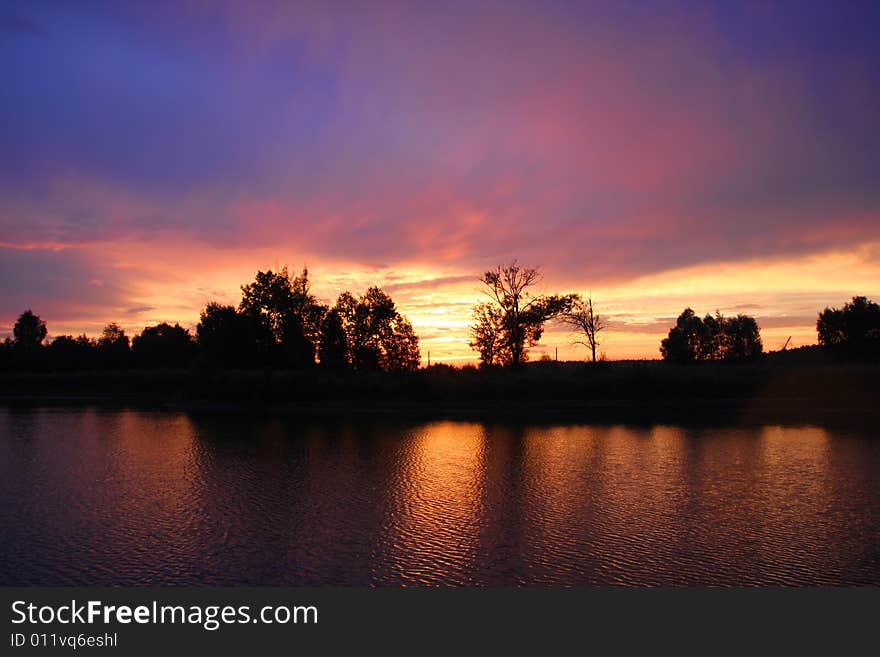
(721, 155)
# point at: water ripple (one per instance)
(138, 498)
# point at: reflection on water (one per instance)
(126, 497)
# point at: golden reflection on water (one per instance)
(649, 500)
(146, 462)
(433, 520)
(138, 498)
(796, 471)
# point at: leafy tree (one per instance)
(113, 334)
(163, 346)
(743, 338)
(831, 327)
(401, 347)
(332, 341)
(376, 334)
(29, 331)
(288, 310)
(487, 335)
(270, 298)
(682, 345)
(7, 348)
(296, 348)
(855, 328)
(523, 315)
(588, 323)
(230, 338)
(113, 347)
(373, 316)
(69, 353)
(714, 337)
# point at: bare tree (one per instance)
(587, 322)
(514, 312)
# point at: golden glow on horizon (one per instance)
(785, 294)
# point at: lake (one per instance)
(125, 497)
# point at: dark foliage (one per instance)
(289, 315)
(25, 350)
(853, 330)
(279, 324)
(68, 353)
(29, 331)
(332, 341)
(377, 336)
(487, 335)
(231, 339)
(514, 318)
(6, 354)
(163, 346)
(113, 350)
(714, 337)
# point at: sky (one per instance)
(154, 156)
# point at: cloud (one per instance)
(413, 144)
(430, 284)
(522, 133)
(54, 283)
(139, 309)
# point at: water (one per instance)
(129, 498)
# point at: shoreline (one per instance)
(763, 391)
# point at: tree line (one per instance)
(512, 320)
(715, 337)
(280, 323)
(853, 330)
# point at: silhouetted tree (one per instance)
(831, 328)
(588, 323)
(113, 347)
(487, 335)
(163, 346)
(270, 298)
(743, 338)
(286, 307)
(297, 349)
(6, 354)
(523, 315)
(69, 353)
(230, 338)
(714, 337)
(682, 345)
(332, 341)
(377, 335)
(853, 329)
(29, 332)
(401, 347)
